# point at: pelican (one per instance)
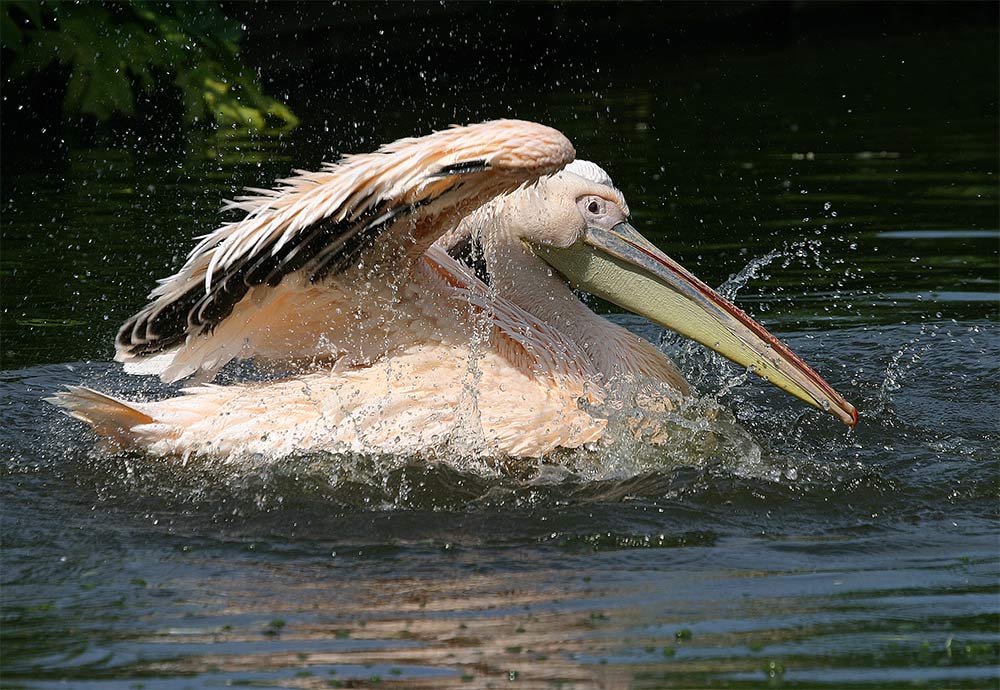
(418, 296)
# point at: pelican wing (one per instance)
(304, 246)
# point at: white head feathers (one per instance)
(590, 171)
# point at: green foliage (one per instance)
(114, 50)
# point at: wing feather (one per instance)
(318, 225)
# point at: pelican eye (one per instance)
(592, 206)
(599, 212)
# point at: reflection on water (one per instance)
(552, 628)
(770, 547)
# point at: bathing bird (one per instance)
(420, 296)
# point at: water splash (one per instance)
(899, 366)
(752, 271)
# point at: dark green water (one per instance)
(851, 188)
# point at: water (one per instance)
(849, 204)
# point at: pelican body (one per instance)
(422, 296)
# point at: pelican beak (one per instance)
(623, 267)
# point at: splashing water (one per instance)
(752, 271)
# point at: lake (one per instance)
(842, 190)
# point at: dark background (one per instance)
(393, 59)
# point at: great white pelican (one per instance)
(418, 294)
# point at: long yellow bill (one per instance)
(621, 266)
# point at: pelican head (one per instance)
(577, 223)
